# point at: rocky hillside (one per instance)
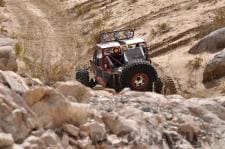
(71, 116)
(65, 32)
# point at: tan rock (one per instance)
(6, 140)
(52, 140)
(15, 82)
(118, 125)
(34, 95)
(53, 109)
(96, 131)
(71, 130)
(190, 131)
(74, 89)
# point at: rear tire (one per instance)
(169, 87)
(138, 75)
(82, 76)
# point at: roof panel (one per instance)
(133, 41)
(108, 45)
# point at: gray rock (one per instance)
(96, 131)
(7, 42)
(15, 82)
(215, 68)
(71, 130)
(7, 54)
(213, 42)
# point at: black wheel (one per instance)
(169, 86)
(82, 76)
(138, 75)
(158, 86)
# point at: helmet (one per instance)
(116, 50)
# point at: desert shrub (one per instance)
(160, 29)
(196, 63)
(19, 50)
(47, 69)
(2, 3)
(163, 28)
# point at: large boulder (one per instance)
(53, 109)
(7, 54)
(215, 68)
(74, 90)
(213, 42)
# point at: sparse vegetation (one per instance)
(19, 50)
(2, 3)
(196, 63)
(163, 28)
(49, 72)
(160, 29)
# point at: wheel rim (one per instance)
(140, 81)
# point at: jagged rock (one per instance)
(118, 125)
(71, 130)
(215, 68)
(213, 42)
(16, 117)
(32, 141)
(85, 144)
(52, 140)
(190, 131)
(74, 89)
(174, 140)
(96, 131)
(14, 81)
(35, 95)
(6, 140)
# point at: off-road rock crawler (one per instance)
(121, 61)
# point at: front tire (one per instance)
(138, 75)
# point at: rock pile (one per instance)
(72, 116)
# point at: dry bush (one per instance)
(49, 70)
(163, 28)
(2, 3)
(19, 49)
(160, 29)
(196, 63)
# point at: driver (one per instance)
(117, 57)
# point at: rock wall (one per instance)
(42, 117)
